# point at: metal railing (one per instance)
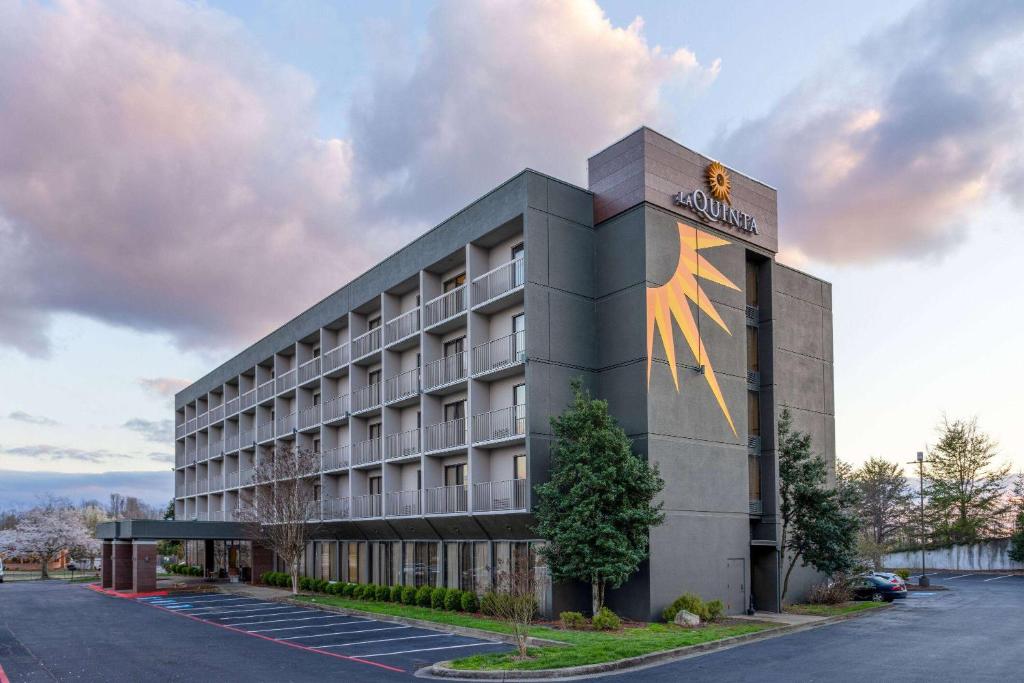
(231, 407)
(202, 420)
(753, 380)
(309, 417)
(246, 437)
(334, 458)
(231, 443)
(309, 370)
(203, 516)
(190, 488)
(334, 508)
(190, 455)
(448, 305)
(366, 343)
(498, 424)
(231, 480)
(500, 353)
(501, 280)
(402, 444)
(180, 459)
(286, 381)
(498, 496)
(368, 505)
(214, 448)
(265, 390)
(179, 431)
(366, 397)
(403, 503)
(217, 516)
(216, 482)
(336, 357)
(402, 385)
(446, 370)
(753, 444)
(286, 423)
(202, 486)
(367, 451)
(447, 499)
(191, 425)
(247, 476)
(756, 507)
(450, 434)
(217, 413)
(401, 327)
(265, 431)
(247, 400)
(336, 408)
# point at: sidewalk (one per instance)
(782, 618)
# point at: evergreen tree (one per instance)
(885, 504)
(1017, 537)
(596, 511)
(816, 529)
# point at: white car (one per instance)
(1, 570)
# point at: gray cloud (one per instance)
(162, 458)
(891, 152)
(22, 489)
(152, 430)
(39, 420)
(164, 387)
(61, 453)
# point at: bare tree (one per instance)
(284, 508)
(514, 601)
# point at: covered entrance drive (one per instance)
(129, 549)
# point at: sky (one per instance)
(177, 179)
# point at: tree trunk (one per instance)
(45, 573)
(596, 595)
(295, 577)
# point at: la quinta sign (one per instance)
(715, 205)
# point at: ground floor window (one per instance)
(325, 562)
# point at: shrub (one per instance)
(423, 596)
(284, 580)
(408, 595)
(713, 610)
(573, 620)
(903, 573)
(396, 594)
(306, 583)
(348, 589)
(357, 592)
(687, 601)
(382, 593)
(469, 602)
(489, 604)
(437, 597)
(453, 599)
(829, 593)
(606, 620)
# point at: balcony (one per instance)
(500, 357)
(231, 443)
(309, 418)
(402, 387)
(246, 438)
(402, 329)
(445, 500)
(216, 413)
(217, 516)
(334, 508)
(309, 371)
(231, 480)
(247, 400)
(334, 459)
(403, 503)
(214, 449)
(190, 488)
(447, 435)
(216, 482)
(180, 460)
(191, 425)
(202, 420)
(335, 408)
(366, 343)
(247, 476)
(368, 505)
(202, 516)
(366, 452)
(366, 398)
(265, 391)
(402, 445)
(446, 371)
(202, 486)
(445, 309)
(286, 381)
(231, 407)
(499, 287)
(499, 496)
(179, 431)
(265, 432)
(190, 455)
(286, 424)
(336, 358)
(499, 426)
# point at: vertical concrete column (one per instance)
(262, 561)
(143, 566)
(122, 565)
(107, 565)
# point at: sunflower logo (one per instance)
(718, 182)
(670, 303)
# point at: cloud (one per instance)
(20, 489)
(58, 453)
(39, 420)
(152, 430)
(164, 387)
(162, 458)
(889, 153)
(161, 172)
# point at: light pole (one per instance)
(923, 581)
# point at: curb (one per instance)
(442, 670)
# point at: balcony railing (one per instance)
(499, 496)
(190, 488)
(336, 408)
(754, 444)
(365, 398)
(403, 503)
(450, 434)
(753, 315)
(192, 425)
(366, 452)
(335, 358)
(190, 455)
(265, 431)
(368, 505)
(286, 424)
(448, 305)
(335, 458)
(756, 507)
(402, 444)
(247, 400)
(286, 381)
(500, 353)
(446, 370)
(309, 370)
(366, 343)
(203, 516)
(334, 508)
(503, 279)
(231, 407)
(231, 480)
(214, 449)
(216, 413)
(202, 486)
(403, 385)
(402, 326)
(247, 476)
(447, 499)
(246, 437)
(502, 423)
(265, 390)
(179, 431)
(180, 460)
(309, 417)
(216, 482)
(231, 443)
(202, 420)
(217, 516)
(753, 380)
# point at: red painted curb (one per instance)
(3, 676)
(122, 594)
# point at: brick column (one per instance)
(143, 566)
(122, 566)
(262, 561)
(107, 565)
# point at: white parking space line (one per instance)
(293, 628)
(998, 577)
(241, 608)
(345, 633)
(212, 600)
(218, 608)
(956, 577)
(268, 612)
(425, 649)
(382, 640)
(278, 621)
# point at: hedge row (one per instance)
(437, 598)
(183, 569)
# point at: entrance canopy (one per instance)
(172, 529)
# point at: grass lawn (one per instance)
(586, 647)
(834, 610)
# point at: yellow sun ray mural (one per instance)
(671, 301)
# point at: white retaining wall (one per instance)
(987, 556)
